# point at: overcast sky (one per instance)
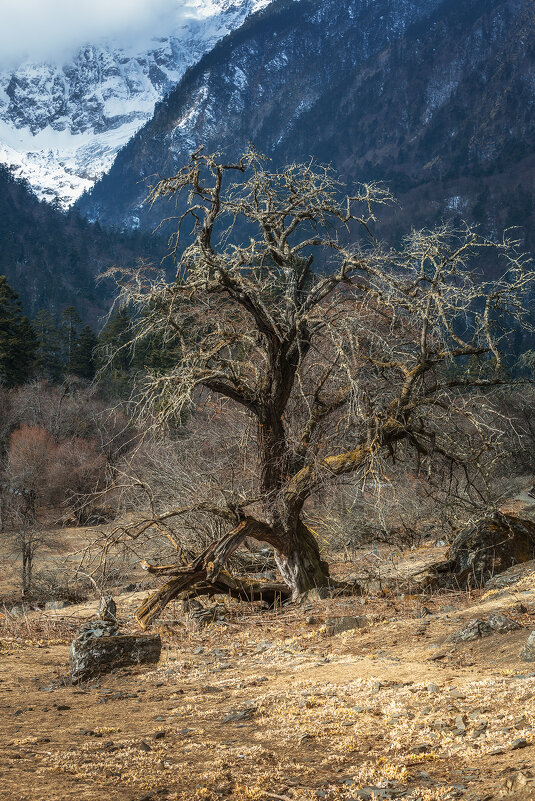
(38, 29)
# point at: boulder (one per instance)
(502, 624)
(490, 547)
(99, 648)
(511, 576)
(481, 552)
(336, 625)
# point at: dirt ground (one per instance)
(270, 707)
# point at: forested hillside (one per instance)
(51, 258)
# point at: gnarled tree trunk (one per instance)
(300, 564)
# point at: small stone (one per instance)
(143, 746)
(336, 625)
(460, 725)
(527, 654)
(432, 688)
(422, 748)
(239, 715)
(521, 742)
(158, 735)
(107, 608)
(62, 708)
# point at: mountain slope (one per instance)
(434, 96)
(255, 85)
(61, 125)
(51, 258)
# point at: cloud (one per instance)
(42, 29)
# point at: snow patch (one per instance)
(62, 125)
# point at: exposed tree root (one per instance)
(205, 576)
(225, 584)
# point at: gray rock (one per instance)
(490, 547)
(527, 654)
(55, 605)
(474, 630)
(96, 628)
(520, 743)
(205, 616)
(336, 625)
(99, 650)
(315, 594)
(239, 715)
(511, 576)
(502, 624)
(423, 748)
(107, 608)
(460, 726)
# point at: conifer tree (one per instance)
(82, 361)
(17, 339)
(114, 355)
(49, 361)
(70, 327)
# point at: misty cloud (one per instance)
(43, 29)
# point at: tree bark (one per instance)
(300, 563)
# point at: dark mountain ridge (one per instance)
(435, 97)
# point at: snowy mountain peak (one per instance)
(62, 124)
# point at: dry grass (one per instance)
(324, 717)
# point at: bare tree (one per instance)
(342, 353)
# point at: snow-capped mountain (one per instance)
(61, 125)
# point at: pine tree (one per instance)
(49, 357)
(17, 339)
(83, 362)
(70, 326)
(114, 355)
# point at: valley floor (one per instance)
(272, 708)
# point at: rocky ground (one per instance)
(272, 706)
